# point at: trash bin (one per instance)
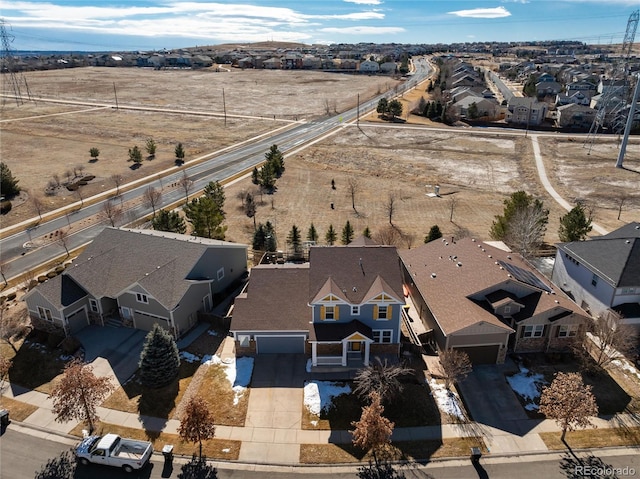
(167, 452)
(475, 454)
(4, 417)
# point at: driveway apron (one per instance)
(275, 410)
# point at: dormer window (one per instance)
(355, 310)
(142, 298)
(383, 312)
(507, 309)
(330, 312)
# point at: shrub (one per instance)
(5, 207)
(70, 345)
(11, 296)
(42, 279)
(54, 340)
(32, 284)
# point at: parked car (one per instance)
(113, 450)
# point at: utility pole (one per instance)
(115, 93)
(358, 112)
(224, 107)
(7, 62)
(627, 129)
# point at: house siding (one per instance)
(232, 259)
(366, 316)
(185, 315)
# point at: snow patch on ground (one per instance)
(238, 373)
(626, 366)
(528, 386)
(212, 332)
(448, 401)
(318, 395)
(188, 357)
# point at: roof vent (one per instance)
(355, 290)
(490, 256)
(509, 257)
(473, 240)
(557, 301)
(433, 275)
(459, 264)
(628, 241)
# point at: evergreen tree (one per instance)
(215, 191)
(160, 359)
(574, 226)
(267, 178)
(347, 233)
(522, 224)
(205, 217)
(367, 233)
(264, 238)
(294, 240)
(434, 234)
(255, 179)
(179, 151)
(170, 221)
(331, 235)
(151, 147)
(276, 160)
(395, 108)
(312, 234)
(135, 155)
(8, 184)
(94, 153)
(383, 106)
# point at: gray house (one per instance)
(138, 278)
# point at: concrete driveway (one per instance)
(274, 412)
(112, 351)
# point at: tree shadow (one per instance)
(198, 469)
(383, 470)
(574, 467)
(60, 467)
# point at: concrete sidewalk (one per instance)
(278, 443)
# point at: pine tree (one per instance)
(255, 179)
(215, 191)
(294, 240)
(205, 217)
(179, 151)
(170, 221)
(434, 234)
(331, 236)
(367, 233)
(275, 160)
(347, 233)
(160, 359)
(312, 234)
(574, 226)
(8, 184)
(150, 146)
(94, 153)
(79, 393)
(135, 155)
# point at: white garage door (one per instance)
(280, 344)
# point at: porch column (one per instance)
(314, 353)
(345, 345)
(366, 353)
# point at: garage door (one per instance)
(280, 344)
(77, 320)
(482, 354)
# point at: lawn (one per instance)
(216, 390)
(225, 449)
(398, 451)
(413, 407)
(18, 410)
(593, 438)
(133, 397)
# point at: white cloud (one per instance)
(497, 12)
(363, 30)
(365, 2)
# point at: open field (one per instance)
(475, 173)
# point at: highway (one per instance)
(28, 249)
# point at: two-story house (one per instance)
(341, 308)
(602, 274)
(138, 278)
(525, 111)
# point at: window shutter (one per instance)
(322, 313)
(389, 312)
(336, 312)
(522, 331)
(375, 311)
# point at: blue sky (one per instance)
(103, 25)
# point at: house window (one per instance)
(244, 339)
(567, 330)
(45, 313)
(329, 312)
(220, 274)
(533, 331)
(93, 304)
(507, 309)
(383, 312)
(382, 335)
(594, 280)
(355, 310)
(142, 298)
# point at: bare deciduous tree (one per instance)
(4, 270)
(79, 393)
(621, 198)
(38, 204)
(381, 378)
(373, 430)
(186, 184)
(388, 235)
(526, 229)
(63, 240)
(80, 195)
(111, 212)
(609, 339)
(5, 366)
(569, 401)
(353, 187)
(197, 423)
(452, 202)
(456, 366)
(117, 180)
(390, 207)
(12, 326)
(152, 198)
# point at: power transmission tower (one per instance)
(8, 65)
(613, 100)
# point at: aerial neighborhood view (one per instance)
(351, 238)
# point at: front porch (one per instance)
(352, 351)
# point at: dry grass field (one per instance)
(475, 173)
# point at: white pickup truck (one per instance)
(113, 450)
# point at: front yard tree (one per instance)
(79, 393)
(152, 197)
(330, 236)
(569, 401)
(255, 179)
(205, 218)
(380, 378)
(170, 221)
(373, 430)
(179, 151)
(434, 234)
(575, 225)
(367, 233)
(8, 184)
(151, 147)
(347, 233)
(197, 423)
(95, 153)
(159, 359)
(610, 340)
(456, 366)
(135, 155)
(13, 325)
(312, 234)
(38, 204)
(522, 224)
